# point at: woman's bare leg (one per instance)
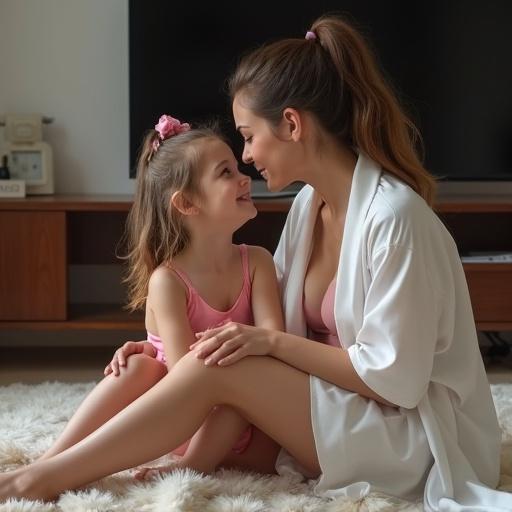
(224, 425)
(267, 392)
(110, 396)
(210, 444)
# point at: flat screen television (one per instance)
(450, 62)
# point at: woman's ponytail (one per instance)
(380, 127)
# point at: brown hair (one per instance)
(155, 231)
(336, 78)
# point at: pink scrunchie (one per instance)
(167, 127)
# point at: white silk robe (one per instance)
(404, 316)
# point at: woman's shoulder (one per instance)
(395, 200)
(398, 193)
(398, 215)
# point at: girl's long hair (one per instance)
(336, 78)
(155, 232)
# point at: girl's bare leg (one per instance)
(267, 392)
(110, 396)
(260, 455)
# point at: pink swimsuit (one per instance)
(202, 317)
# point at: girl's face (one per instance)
(272, 155)
(225, 191)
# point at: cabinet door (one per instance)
(33, 265)
(490, 287)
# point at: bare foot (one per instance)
(149, 473)
(22, 484)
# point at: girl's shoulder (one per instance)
(258, 253)
(164, 283)
(167, 299)
(259, 258)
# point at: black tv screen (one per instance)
(449, 61)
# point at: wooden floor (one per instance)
(32, 365)
(83, 364)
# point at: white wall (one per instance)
(68, 59)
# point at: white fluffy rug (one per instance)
(32, 416)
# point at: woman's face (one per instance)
(272, 155)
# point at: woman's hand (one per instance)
(231, 342)
(124, 352)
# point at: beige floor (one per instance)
(83, 364)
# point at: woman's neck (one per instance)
(330, 174)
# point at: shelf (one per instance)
(123, 202)
(493, 326)
(109, 203)
(474, 204)
(487, 267)
(83, 203)
(86, 317)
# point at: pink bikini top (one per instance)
(322, 324)
(202, 316)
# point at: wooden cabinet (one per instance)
(43, 236)
(33, 266)
(484, 224)
(490, 288)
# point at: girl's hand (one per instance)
(231, 342)
(124, 352)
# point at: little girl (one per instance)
(189, 276)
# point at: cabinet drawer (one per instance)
(33, 265)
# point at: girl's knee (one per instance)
(144, 365)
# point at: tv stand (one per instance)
(483, 223)
(42, 236)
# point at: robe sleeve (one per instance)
(394, 349)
